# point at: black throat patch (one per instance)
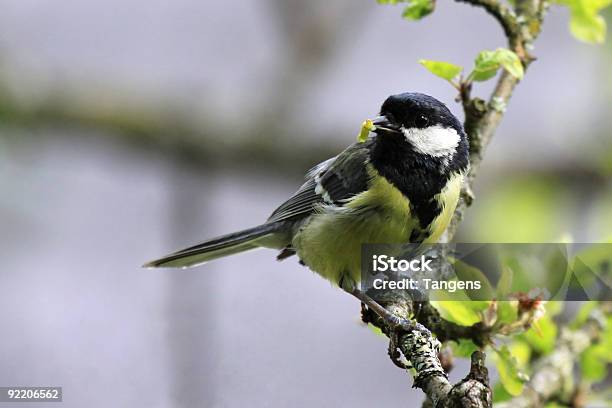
(419, 177)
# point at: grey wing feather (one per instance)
(300, 203)
(320, 167)
(330, 182)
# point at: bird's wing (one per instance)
(330, 182)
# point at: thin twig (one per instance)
(503, 14)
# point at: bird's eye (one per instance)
(421, 121)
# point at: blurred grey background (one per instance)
(132, 128)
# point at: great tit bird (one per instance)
(401, 185)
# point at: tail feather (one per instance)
(215, 248)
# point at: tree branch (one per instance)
(503, 14)
(195, 138)
(482, 118)
(421, 349)
(445, 330)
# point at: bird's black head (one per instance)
(420, 147)
(418, 111)
(420, 125)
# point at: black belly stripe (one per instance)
(427, 212)
(417, 176)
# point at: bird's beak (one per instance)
(382, 123)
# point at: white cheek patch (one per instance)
(435, 141)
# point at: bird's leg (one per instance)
(394, 322)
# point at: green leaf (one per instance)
(485, 66)
(588, 27)
(467, 273)
(417, 9)
(487, 63)
(585, 22)
(521, 352)
(507, 311)
(464, 348)
(444, 70)
(594, 361)
(457, 311)
(458, 307)
(500, 394)
(510, 61)
(464, 312)
(509, 374)
(542, 335)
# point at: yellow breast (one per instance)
(447, 200)
(330, 243)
